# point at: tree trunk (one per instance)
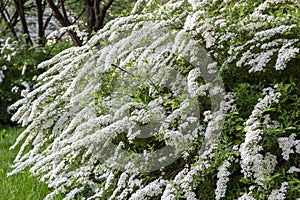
(96, 14)
(20, 9)
(102, 13)
(41, 30)
(64, 21)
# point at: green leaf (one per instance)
(245, 180)
(291, 128)
(239, 127)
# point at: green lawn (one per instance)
(21, 186)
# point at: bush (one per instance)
(89, 115)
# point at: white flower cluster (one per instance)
(286, 53)
(252, 161)
(2, 76)
(83, 35)
(279, 194)
(259, 61)
(182, 182)
(264, 42)
(153, 189)
(293, 169)
(72, 117)
(7, 44)
(269, 123)
(246, 197)
(223, 178)
(289, 145)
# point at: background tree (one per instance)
(9, 18)
(23, 16)
(96, 11)
(21, 12)
(64, 20)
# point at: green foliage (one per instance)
(22, 186)
(119, 9)
(287, 113)
(18, 62)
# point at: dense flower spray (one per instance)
(137, 92)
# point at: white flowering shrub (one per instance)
(180, 100)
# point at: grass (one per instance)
(21, 186)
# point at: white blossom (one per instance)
(251, 160)
(246, 197)
(286, 144)
(293, 169)
(279, 194)
(153, 189)
(223, 178)
(2, 76)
